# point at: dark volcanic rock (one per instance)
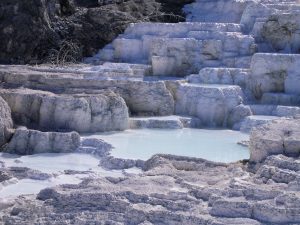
(25, 30)
(6, 123)
(36, 31)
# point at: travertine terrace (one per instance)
(233, 64)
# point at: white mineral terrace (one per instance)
(185, 123)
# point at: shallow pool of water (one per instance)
(30, 186)
(54, 164)
(215, 145)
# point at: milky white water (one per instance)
(215, 145)
(29, 186)
(52, 164)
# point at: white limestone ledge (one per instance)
(182, 48)
(280, 99)
(230, 76)
(104, 71)
(165, 122)
(275, 110)
(216, 10)
(141, 97)
(254, 121)
(177, 29)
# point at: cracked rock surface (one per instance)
(172, 190)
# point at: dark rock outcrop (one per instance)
(6, 122)
(37, 31)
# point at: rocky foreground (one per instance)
(179, 190)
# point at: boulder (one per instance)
(238, 114)
(6, 122)
(95, 146)
(27, 142)
(276, 137)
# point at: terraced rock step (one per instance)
(115, 71)
(275, 110)
(280, 99)
(275, 73)
(141, 97)
(164, 122)
(230, 76)
(251, 122)
(216, 11)
(179, 49)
